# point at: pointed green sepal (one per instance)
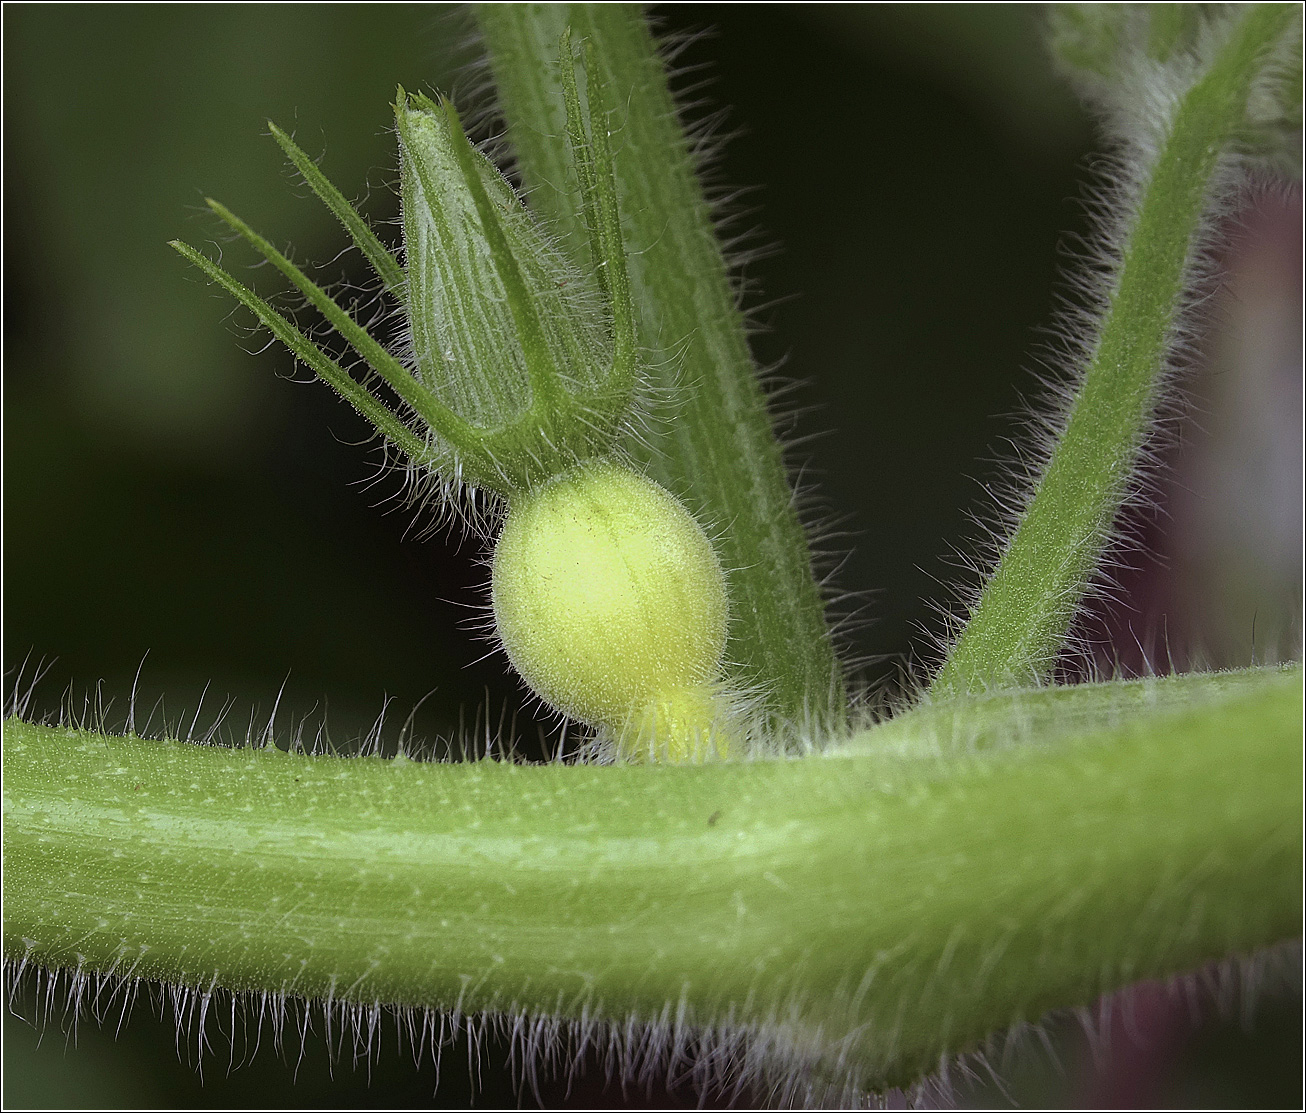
(609, 221)
(382, 419)
(521, 366)
(509, 334)
(581, 155)
(448, 425)
(381, 257)
(541, 366)
(591, 154)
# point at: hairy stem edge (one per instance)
(897, 907)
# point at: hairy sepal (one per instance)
(519, 364)
(466, 342)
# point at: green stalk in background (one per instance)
(857, 915)
(711, 441)
(1023, 615)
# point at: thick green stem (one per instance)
(877, 908)
(1014, 634)
(719, 452)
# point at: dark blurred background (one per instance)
(174, 504)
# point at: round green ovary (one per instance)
(609, 599)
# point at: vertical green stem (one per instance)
(720, 453)
(1022, 618)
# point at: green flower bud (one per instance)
(516, 341)
(521, 365)
(607, 594)
(611, 604)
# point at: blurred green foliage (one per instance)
(168, 493)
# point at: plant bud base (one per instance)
(611, 603)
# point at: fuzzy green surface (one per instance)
(467, 339)
(718, 453)
(607, 595)
(1023, 615)
(879, 908)
(1003, 719)
(523, 366)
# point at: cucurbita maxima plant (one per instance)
(607, 596)
(838, 922)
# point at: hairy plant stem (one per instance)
(866, 911)
(718, 452)
(1022, 618)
